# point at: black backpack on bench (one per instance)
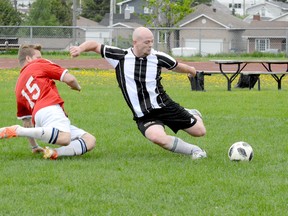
(197, 82)
(243, 81)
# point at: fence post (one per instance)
(31, 34)
(286, 45)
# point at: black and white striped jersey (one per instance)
(140, 78)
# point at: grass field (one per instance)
(127, 175)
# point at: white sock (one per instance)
(76, 147)
(46, 134)
(179, 146)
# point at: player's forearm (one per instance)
(183, 68)
(74, 85)
(71, 81)
(90, 46)
(27, 123)
(33, 143)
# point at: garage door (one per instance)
(206, 46)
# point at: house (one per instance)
(267, 10)
(239, 6)
(91, 30)
(207, 30)
(212, 31)
(134, 6)
(225, 37)
(122, 27)
(266, 36)
(283, 17)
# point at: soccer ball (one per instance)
(240, 151)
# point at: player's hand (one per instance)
(74, 51)
(37, 150)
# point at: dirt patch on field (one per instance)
(95, 63)
(6, 63)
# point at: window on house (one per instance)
(230, 5)
(262, 44)
(162, 37)
(263, 11)
(283, 45)
(131, 9)
(237, 5)
(147, 10)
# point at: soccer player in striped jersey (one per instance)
(39, 104)
(138, 72)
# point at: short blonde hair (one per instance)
(27, 50)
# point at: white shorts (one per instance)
(54, 116)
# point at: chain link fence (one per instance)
(177, 41)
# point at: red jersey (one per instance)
(35, 88)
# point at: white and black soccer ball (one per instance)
(240, 151)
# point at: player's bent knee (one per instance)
(200, 132)
(90, 141)
(157, 139)
(197, 130)
(64, 138)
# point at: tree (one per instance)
(167, 13)
(50, 13)
(40, 14)
(95, 9)
(9, 16)
(62, 10)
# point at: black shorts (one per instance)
(173, 115)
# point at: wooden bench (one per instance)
(9, 43)
(197, 83)
(239, 66)
(277, 78)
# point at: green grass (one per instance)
(127, 175)
(50, 55)
(195, 58)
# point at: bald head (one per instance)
(143, 40)
(141, 32)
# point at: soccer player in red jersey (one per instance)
(41, 108)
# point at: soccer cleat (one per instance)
(8, 132)
(50, 153)
(194, 112)
(199, 154)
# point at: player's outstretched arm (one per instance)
(184, 68)
(71, 81)
(27, 123)
(87, 46)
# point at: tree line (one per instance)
(60, 12)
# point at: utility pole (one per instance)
(74, 21)
(111, 20)
(15, 4)
(244, 7)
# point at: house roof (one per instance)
(84, 22)
(119, 18)
(280, 17)
(282, 5)
(218, 16)
(127, 25)
(270, 14)
(266, 29)
(123, 2)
